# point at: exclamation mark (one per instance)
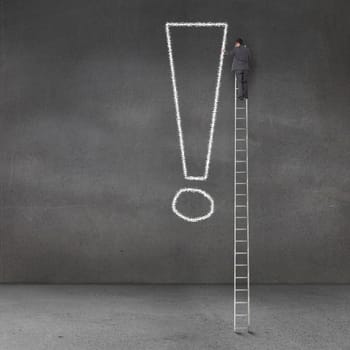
(203, 176)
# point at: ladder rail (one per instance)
(243, 276)
(234, 217)
(247, 212)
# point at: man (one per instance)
(241, 65)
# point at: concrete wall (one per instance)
(89, 155)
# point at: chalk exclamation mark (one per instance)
(193, 175)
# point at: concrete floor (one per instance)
(34, 317)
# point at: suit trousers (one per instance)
(242, 83)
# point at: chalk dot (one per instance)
(193, 218)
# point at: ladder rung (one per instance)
(241, 150)
(241, 264)
(241, 161)
(241, 217)
(240, 107)
(240, 139)
(240, 206)
(241, 229)
(241, 278)
(241, 240)
(241, 302)
(241, 315)
(241, 183)
(241, 194)
(241, 253)
(242, 290)
(241, 128)
(240, 117)
(240, 172)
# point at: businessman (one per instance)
(240, 66)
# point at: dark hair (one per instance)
(239, 40)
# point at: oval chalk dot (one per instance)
(194, 192)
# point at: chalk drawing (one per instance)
(176, 98)
(178, 118)
(197, 218)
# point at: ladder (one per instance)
(241, 278)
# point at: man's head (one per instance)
(238, 42)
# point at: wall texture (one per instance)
(89, 154)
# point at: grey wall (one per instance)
(89, 155)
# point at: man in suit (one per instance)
(240, 66)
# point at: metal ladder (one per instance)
(241, 278)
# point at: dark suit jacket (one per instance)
(241, 58)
